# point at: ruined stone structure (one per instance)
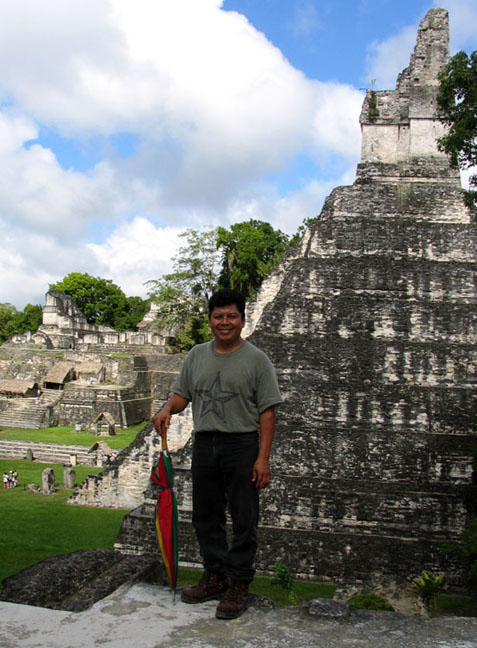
(64, 326)
(84, 371)
(78, 386)
(373, 330)
(371, 322)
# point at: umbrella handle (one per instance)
(164, 436)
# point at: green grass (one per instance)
(35, 526)
(455, 605)
(65, 435)
(262, 585)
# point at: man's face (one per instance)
(226, 324)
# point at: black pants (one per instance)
(222, 466)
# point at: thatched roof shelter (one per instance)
(60, 373)
(14, 387)
(88, 371)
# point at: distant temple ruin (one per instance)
(71, 371)
(371, 322)
(64, 326)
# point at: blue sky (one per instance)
(123, 123)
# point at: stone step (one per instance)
(78, 580)
(47, 452)
(25, 413)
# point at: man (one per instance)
(233, 389)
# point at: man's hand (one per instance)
(162, 419)
(261, 467)
(261, 473)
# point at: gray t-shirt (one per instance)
(228, 391)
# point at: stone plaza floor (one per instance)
(145, 616)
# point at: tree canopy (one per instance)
(250, 251)
(182, 295)
(457, 107)
(102, 301)
(238, 258)
(13, 321)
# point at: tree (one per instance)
(457, 108)
(250, 251)
(182, 295)
(13, 321)
(102, 301)
(238, 258)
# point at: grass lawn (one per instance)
(37, 526)
(455, 605)
(66, 435)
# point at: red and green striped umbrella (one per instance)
(166, 513)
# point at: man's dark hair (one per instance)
(227, 297)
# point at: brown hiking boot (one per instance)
(234, 602)
(211, 586)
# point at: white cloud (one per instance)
(37, 194)
(305, 19)
(137, 252)
(30, 261)
(287, 213)
(462, 19)
(386, 59)
(336, 126)
(214, 107)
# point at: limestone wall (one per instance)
(64, 326)
(401, 124)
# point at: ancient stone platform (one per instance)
(144, 616)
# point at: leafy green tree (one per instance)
(250, 251)
(13, 321)
(182, 295)
(102, 301)
(238, 258)
(7, 312)
(457, 107)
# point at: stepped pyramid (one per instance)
(371, 322)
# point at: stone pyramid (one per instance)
(371, 322)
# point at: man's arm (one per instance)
(261, 468)
(174, 405)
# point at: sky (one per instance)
(125, 122)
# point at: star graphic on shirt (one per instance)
(214, 398)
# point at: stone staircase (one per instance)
(29, 413)
(24, 413)
(75, 582)
(47, 452)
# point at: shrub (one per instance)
(284, 579)
(370, 601)
(465, 553)
(428, 587)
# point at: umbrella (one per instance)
(166, 512)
